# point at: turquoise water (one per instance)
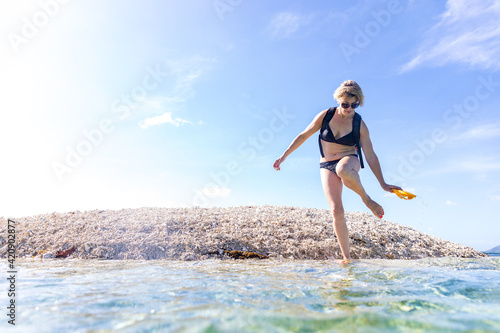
(428, 295)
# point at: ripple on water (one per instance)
(260, 296)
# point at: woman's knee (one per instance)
(337, 212)
(345, 172)
(348, 167)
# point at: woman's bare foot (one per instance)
(344, 262)
(376, 209)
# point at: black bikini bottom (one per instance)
(331, 165)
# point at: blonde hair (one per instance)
(349, 88)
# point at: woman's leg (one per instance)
(347, 169)
(332, 185)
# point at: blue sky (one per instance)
(129, 104)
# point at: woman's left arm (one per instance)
(372, 159)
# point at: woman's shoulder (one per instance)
(363, 128)
(321, 114)
(329, 111)
(319, 118)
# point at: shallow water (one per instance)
(428, 295)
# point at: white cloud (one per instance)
(182, 75)
(451, 203)
(285, 24)
(187, 72)
(468, 33)
(165, 118)
(479, 165)
(487, 131)
(495, 198)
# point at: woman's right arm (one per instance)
(313, 127)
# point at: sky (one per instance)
(127, 104)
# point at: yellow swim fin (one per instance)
(403, 194)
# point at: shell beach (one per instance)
(207, 233)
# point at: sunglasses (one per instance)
(346, 105)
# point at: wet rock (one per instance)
(65, 253)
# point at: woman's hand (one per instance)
(277, 163)
(389, 188)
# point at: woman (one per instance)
(339, 163)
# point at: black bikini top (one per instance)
(326, 132)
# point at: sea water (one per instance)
(427, 295)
